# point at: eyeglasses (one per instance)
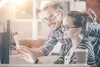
(65, 28)
(50, 18)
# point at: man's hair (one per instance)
(55, 5)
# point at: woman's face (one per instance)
(70, 30)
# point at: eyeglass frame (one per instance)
(52, 18)
(66, 28)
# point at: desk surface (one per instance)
(42, 65)
(15, 59)
(48, 59)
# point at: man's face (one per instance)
(52, 18)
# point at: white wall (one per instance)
(24, 29)
(43, 30)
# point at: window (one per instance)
(24, 9)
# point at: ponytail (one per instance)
(86, 23)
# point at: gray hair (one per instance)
(55, 5)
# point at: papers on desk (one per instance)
(16, 41)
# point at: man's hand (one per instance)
(24, 53)
(92, 15)
(37, 52)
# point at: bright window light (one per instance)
(17, 2)
(2, 2)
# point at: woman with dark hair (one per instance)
(73, 27)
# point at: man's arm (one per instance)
(93, 28)
(46, 48)
(49, 45)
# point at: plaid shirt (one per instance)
(96, 44)
(94, 37)
(52, 40)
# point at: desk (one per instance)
(42, 65)
(15, 59)
(47, 59)
(18, 62)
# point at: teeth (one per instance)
(52, 24)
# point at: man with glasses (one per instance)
(53, 15)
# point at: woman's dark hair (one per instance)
(79, 18)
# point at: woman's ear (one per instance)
(79, 30)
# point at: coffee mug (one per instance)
(81, 56)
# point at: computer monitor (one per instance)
(5, 42)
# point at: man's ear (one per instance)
(62, 14)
